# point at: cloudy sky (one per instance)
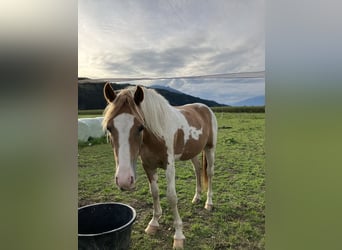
(175, 39)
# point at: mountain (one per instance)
(156, 87)
(254, 101)
(90, 95)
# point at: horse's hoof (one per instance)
(209, 207)
(178, 244)
(196, 200)
(151, 230)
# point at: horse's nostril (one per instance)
(132, 180)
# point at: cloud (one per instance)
(225, 91)
(174, 38)
(192, 59)
(173, 61)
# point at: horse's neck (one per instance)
(151, 141)
(164, 124)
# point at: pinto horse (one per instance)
(140, 122)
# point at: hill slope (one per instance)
(90, 95)
(166, 88)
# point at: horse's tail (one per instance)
(204, 172)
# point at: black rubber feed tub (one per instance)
(105, 226)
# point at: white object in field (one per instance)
(90, 127)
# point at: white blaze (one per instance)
(123, 124)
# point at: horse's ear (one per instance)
(138, 95)
(109, 93)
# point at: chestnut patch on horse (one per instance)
(155, 154)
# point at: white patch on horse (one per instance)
(195, 133)
(123, 123)
(189, 131)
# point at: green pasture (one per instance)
(238, 218)
(90, 113)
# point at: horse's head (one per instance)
(125, 125)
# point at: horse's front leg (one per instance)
(172, 198)
(153, 225)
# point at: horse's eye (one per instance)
(141, 127)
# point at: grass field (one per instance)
(238, 218)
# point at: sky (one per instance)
(170, 40)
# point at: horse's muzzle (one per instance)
(125, 184)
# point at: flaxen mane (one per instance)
(159, 114)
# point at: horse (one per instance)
(142, 123)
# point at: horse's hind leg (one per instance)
(197, 167)
(153, 225)
(210, 156)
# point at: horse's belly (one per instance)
(189, 152)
